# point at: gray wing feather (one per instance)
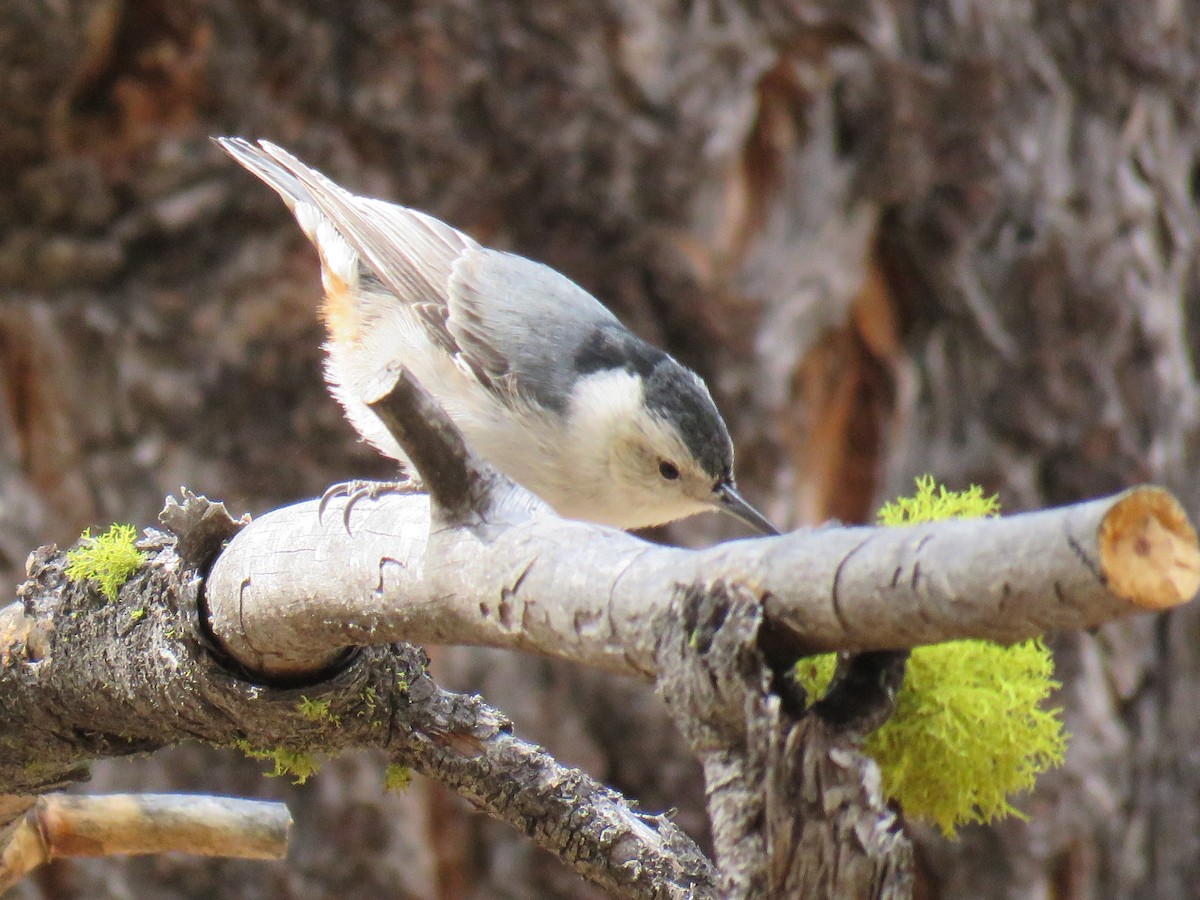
(515, 322)
(410, 252)
(522, 320)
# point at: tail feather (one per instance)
(279, 179)
(341, 310)
(411, 253)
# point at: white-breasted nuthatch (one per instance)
(542, 380)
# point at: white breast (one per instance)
(517, 440)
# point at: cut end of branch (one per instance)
(1149, 553)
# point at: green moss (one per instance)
(397, 778)
(109, 560)
(970, 728)
(933, 503)
(316, 710)
(300, 766)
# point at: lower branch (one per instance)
(796, 809)
(84, 678)
(628, 854)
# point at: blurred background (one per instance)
(895, 236)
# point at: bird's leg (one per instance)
(358, 489)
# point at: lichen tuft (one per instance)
(970, 728)
(109, 560)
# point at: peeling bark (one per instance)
(797, 809)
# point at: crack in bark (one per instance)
(835, 593)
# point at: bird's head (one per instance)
(664, 447)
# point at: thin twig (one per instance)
(459, 483)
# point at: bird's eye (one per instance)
(668, 470)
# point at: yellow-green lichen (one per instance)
(397, 777)
(316, 710)
(299, 766)
(934, 503)
(109, 560)
(970, 728)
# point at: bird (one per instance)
(544, 382)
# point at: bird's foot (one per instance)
(358, 489)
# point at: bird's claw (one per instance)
(358, 489)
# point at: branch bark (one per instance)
(292, 587)
(795, 807)
(84, 678)
(295, 584)
(60, 826)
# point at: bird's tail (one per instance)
(339, 261)
(279, 179)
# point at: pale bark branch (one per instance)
(290, 586)
(294, 589)
(796, 809)
(61, 826)
(294, 584)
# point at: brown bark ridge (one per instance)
(895, 237)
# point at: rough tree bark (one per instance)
(896, 238)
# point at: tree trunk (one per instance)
(895, 239)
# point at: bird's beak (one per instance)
(727, 499)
